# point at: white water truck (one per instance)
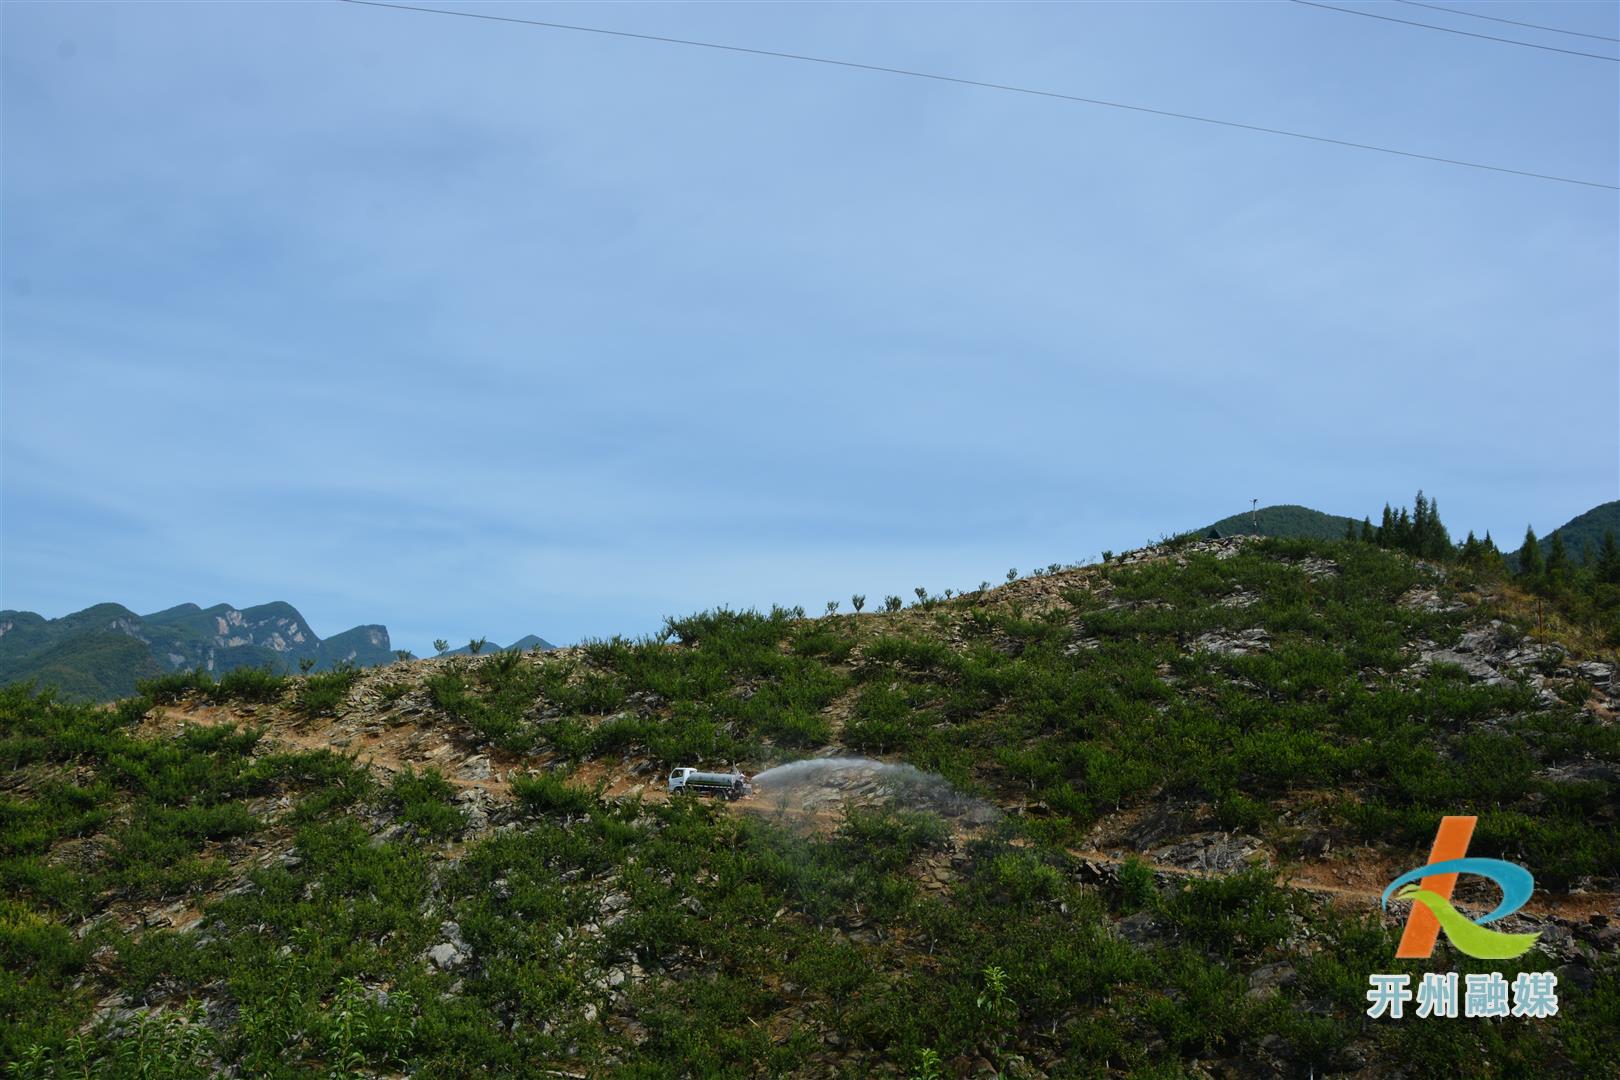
(733, 785)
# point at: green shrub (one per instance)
(425, 802)
(132, 710)
(321, 694)
(1022, 877)
(1243, 913)
(890, 839)
(1136, 885)
(1240, 813)
(176, 685)
(883, 720)
(250, 684)
(391, 692)
(551, 794)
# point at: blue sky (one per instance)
(471, 328)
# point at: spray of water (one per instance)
(824, 783)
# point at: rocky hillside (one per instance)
(1120, 820)
(101, 652)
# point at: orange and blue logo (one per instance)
(1429, 889)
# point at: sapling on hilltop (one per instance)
(441, 646)
(858, 601)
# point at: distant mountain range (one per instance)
(99, 653)
(522, 644)
(1581, 534)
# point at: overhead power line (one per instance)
(1464, 33)
(1510, 22)
(803, 58)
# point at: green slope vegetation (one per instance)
(96, 665)
(513, 895)
(1583, 535)
(87, 656)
